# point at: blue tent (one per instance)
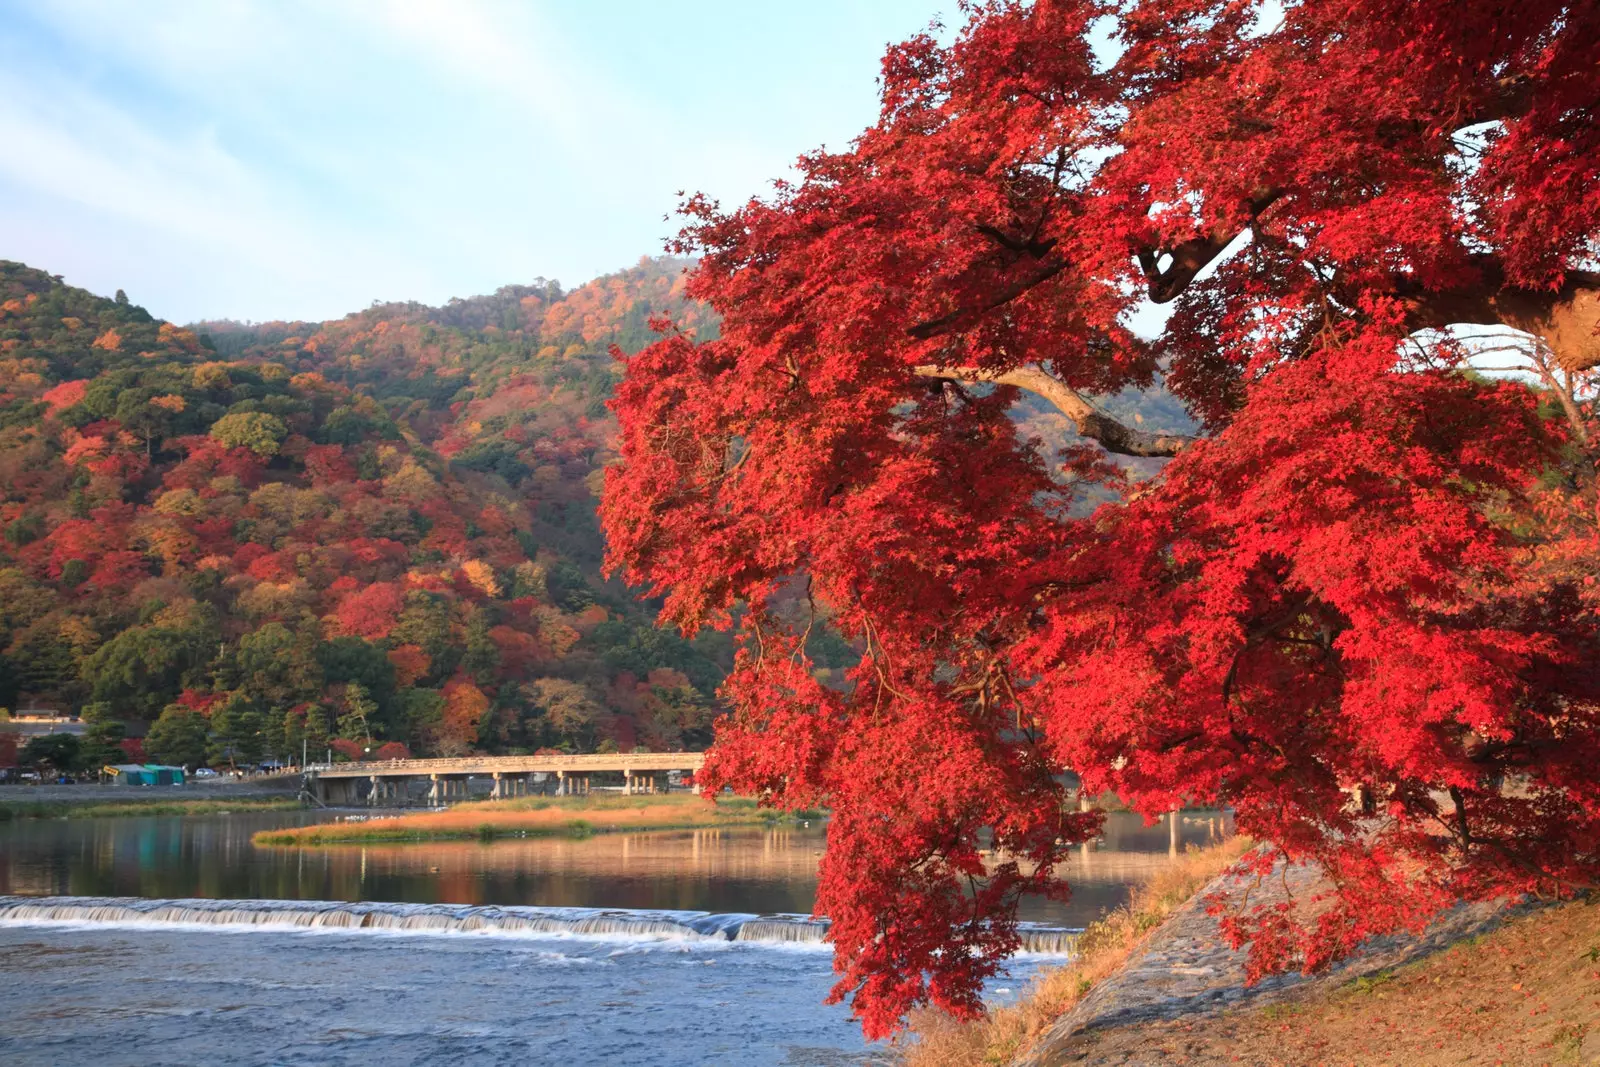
(146, 774)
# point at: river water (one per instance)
(618, 947)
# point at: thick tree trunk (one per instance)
(1566, 319)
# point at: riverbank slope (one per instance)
(1527, 992)
(89, 801)
(1484, 984)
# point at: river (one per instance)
(546, 950)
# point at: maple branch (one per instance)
(1030, 245)
(1567, 319)
(1090, 420)
(960, 317)
(1513, 95)
(1193, 255)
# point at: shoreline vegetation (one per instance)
(104, 809)
(1006, 1032)
(542, 817)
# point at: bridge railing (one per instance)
(616, 761)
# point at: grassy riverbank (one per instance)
(61, 809)
(1526, 993)
(540, 817)
(943, 1042)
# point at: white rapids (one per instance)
(455, 918)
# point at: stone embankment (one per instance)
(1185, 970)
(264, 786)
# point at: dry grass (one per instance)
(941, 1041)
(1527, 993)
(537, 817)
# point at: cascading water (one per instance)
(454, 918)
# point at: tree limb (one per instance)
(1513, 96)
(1192, 256)
(1567, 320)
(1090, 421)
(961, 317)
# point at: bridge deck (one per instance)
(488, 765)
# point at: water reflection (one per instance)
(719, 870)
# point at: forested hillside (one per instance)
(378, 529)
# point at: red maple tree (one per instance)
(1371, 573)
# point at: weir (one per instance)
(507, 920)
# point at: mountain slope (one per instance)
(378, 528)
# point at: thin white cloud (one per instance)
(503, 49)
(296, 158)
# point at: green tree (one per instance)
(350, 659)
(294, 734)
(178, 737)
(317, 730)
(256, 430)
(277, 666)
(356, 724)
(571, 710)
(482, 658)
(274, 738)
(422, 712)
(142, 668)
(52, 753)
(425, 622)
(236, 732)
(39, 661)
(102, 742)
(147, 421)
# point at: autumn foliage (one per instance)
(376, 532)
(1353, 598)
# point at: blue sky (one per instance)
(260, 159)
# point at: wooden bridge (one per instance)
(388, 782)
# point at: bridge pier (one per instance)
(509, 785)
(642, 783)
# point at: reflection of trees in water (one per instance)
(713, 869)
(782, 855)
(1129, 851)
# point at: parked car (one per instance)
(31, 777)
(205, 772)
(66, 779)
